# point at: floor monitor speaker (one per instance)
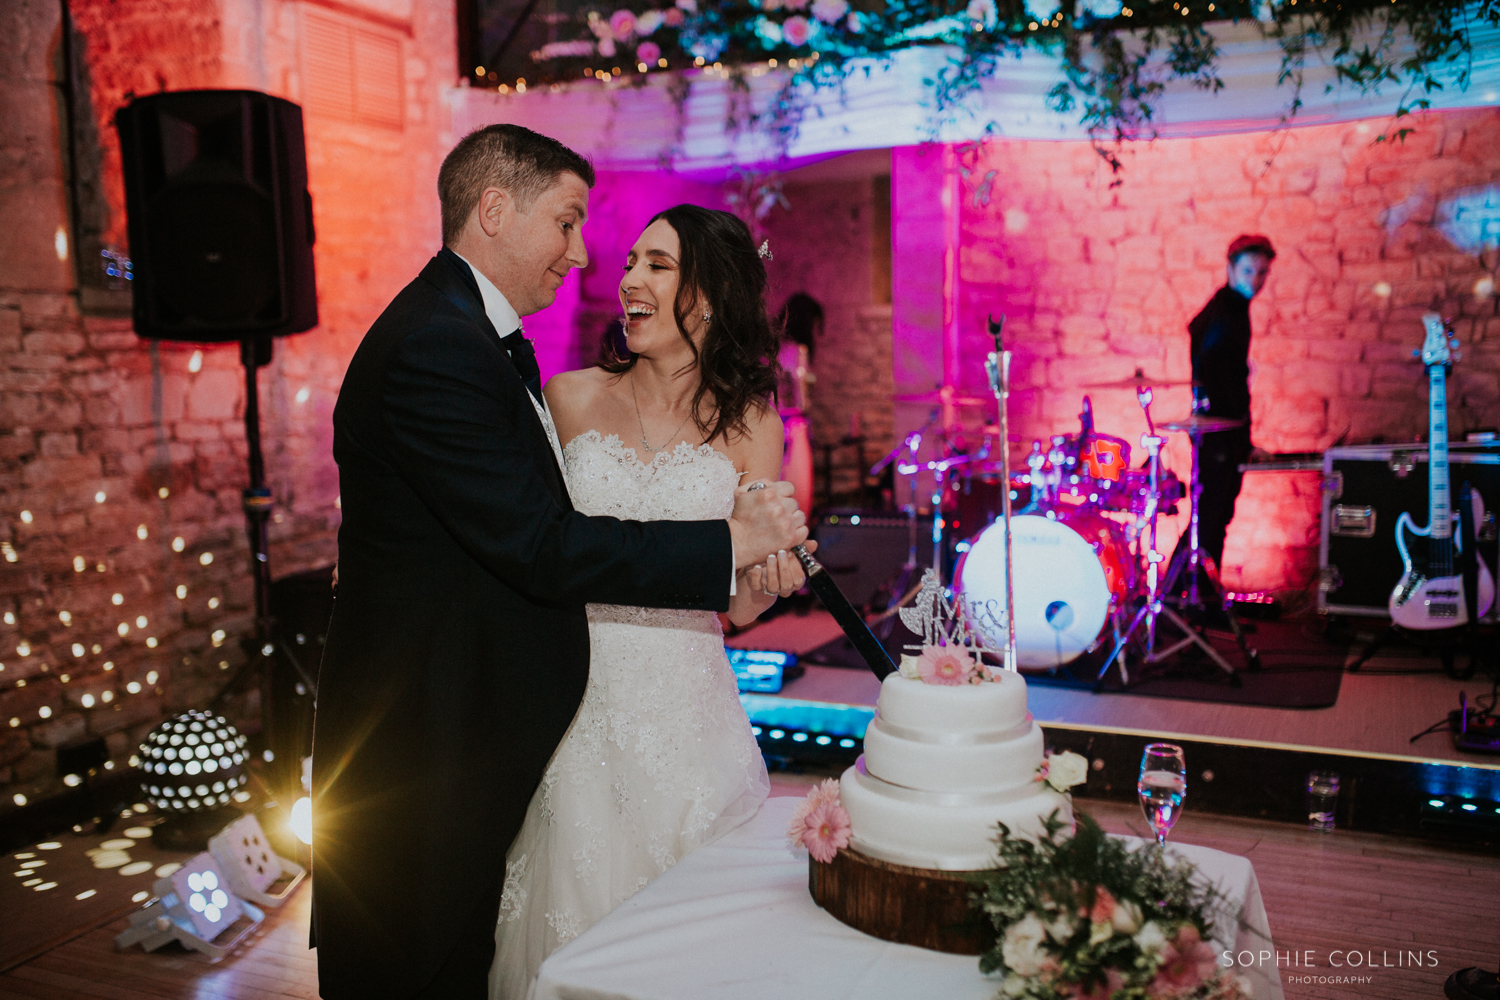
(219, 216)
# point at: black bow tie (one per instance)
(524, 358)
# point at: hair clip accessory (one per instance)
(765, 250)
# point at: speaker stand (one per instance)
(255, 353)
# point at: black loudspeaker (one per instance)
(220, 220)
(864, 549)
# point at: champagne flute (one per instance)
(1162, 786)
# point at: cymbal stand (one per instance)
(908, 572)
(1154, 606)
(1196, 561)
(997, 367)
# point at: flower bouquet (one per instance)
(1089, 917)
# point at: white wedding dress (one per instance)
(659, 760)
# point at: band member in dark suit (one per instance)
(1221, 367)
(459, 650)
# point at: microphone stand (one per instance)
(997, 366)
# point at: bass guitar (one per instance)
(1430, 595)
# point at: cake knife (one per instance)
(850, 620)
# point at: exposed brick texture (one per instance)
(1098, 280)
(87, 408)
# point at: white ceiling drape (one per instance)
(885, 103)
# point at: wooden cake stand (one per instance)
(918, 906)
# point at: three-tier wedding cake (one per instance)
(951, 759)
(943, 766)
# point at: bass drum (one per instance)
(1071, 571)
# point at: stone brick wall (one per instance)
(124, 582)
(826, 244)
(1097, 280)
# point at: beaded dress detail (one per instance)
(659, 760)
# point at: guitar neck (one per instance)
(1440, 507)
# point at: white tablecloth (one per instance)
(734, 921)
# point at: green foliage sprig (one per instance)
(1117, 57)
(1089, 912)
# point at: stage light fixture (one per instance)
(301, 821)
(251, 866)
(194, 907)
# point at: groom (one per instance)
(459, 647)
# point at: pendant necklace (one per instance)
(642, 422)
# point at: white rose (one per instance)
(1150, 938)
(908, 667)
(1127, 917)
(1066, 769)
(1022, 947)
(1014, 985)
(1101, 932)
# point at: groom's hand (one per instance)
(765, 521)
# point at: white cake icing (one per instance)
(942, 766)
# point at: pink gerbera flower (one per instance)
(940, 665)
(1186, 961)
(796, 29)
(825, 792)
(826, 830)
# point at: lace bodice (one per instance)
(660, 759)
(684, 484)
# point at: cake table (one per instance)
(734, 921)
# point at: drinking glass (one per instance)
(1162, 785)
(1322, 797)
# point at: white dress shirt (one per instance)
(505, 319)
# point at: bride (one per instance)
(660, 759)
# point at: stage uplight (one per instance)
(302, 819)
(195, 907)
(256, 873)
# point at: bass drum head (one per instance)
(1062, 599)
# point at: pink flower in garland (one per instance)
(796, 29)
(826, 829)
(941, 665)
(622, 25)
(1186, 961)
(648, 53)
(829, 11)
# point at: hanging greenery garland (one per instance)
(1117, 56)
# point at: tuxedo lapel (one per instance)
(450, 274)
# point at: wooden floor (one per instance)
(1324, 893)
(1395, 696)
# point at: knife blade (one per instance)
(850, 620)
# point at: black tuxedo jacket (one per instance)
(459, 648)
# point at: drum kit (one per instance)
(1087, 571)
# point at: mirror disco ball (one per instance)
(193, 763)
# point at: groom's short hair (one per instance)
(508, 157)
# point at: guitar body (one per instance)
(1430, 595)
(1421, 602)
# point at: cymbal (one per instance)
(1200, 424)
(1140, 380)
(936, 399)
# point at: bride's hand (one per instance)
(780, 575)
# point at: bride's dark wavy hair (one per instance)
(737, 363)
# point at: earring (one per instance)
(707, 315)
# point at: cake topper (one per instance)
(955, 622)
